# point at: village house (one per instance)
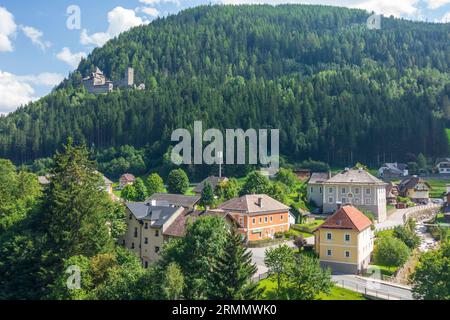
(351, 186)
(443, 166)
(415, 188)
(146, 224)
(126, 179)
(212, 180)
(107, 185)
(302, 174)
(392, 193)
(259, 215)
(393, 170)
(344, 242)
(175, 200)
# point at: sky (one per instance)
(42, 41)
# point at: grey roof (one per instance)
(355, 176)
(395, 167)
(175, 199)
(212, 180)
(319, 177)
(158, 214)
(411, 183)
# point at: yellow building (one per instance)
(344, 242)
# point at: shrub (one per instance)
(391, 252)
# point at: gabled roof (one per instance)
(319, 177)
(347, 217)
(212, 180)
(411, 183)
(178, 227)
(157, 214)
(251, 204)
(128, 177)
(355, 176)
(179, 200)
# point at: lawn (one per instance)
(437, 187)
(269, 285)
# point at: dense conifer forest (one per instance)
(338, 92)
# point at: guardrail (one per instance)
(371, 293)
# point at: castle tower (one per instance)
(129, 77)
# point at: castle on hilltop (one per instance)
(97, 82)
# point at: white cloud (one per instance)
(153, 2)
(152, 12)
(119, 20)
(36, 37)
(72, 59)
(445, 18)
(18, 90)
(7, 29)
(434, 4)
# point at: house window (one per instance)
(368, 201)
(146, 225)
(356, 201)
(146, 264)
(347, 238)
(130, 216)
(260, 220)
(156, 233)
(343, 190)
(312, 189)
(329, 236)
(357, 190)
(145, 240)
(320, 189)
(330, 200)
(135, 232)
(329, 252)
(253, 220)
(330, 190)
(132, 245)
(271, 219)
(367, 191)
(156, 249)
(344, 200)
(281, 217)
(265, 219)
(347, 254)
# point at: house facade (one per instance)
(315, 187)
(393, 170)
(351, 186)
(259, 215)
(415, 188)
(146, 224)
(443, 166)
(344, 242)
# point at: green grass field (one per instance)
(269, 286)
(438, 187)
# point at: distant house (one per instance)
(175, 200)
(107, 185)
(212, 180)
(393, 170)
(344, 242)
(392, 193)
(126, 179)
(315, 187)
(97, 83)
(351, 186)
(303, 174)
(178, 228)
(259, 215)
(415, 188)
(44, 180)
(443, 166)
(146, 225)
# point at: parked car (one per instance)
(437, 201)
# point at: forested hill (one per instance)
(337, 91)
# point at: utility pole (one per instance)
(220, 159)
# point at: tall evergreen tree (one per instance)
(231, 275)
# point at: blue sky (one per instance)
(37, 49)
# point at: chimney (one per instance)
(153, 203)
(260, 204)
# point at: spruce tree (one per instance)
(207, 195)
(231, 274)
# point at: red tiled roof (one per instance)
(347, 217)
(250, 204)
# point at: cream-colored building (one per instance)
(146, 224)
(351, 186)
(418, 190)
(344, 242)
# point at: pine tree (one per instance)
(207, 195)
(231, 275)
